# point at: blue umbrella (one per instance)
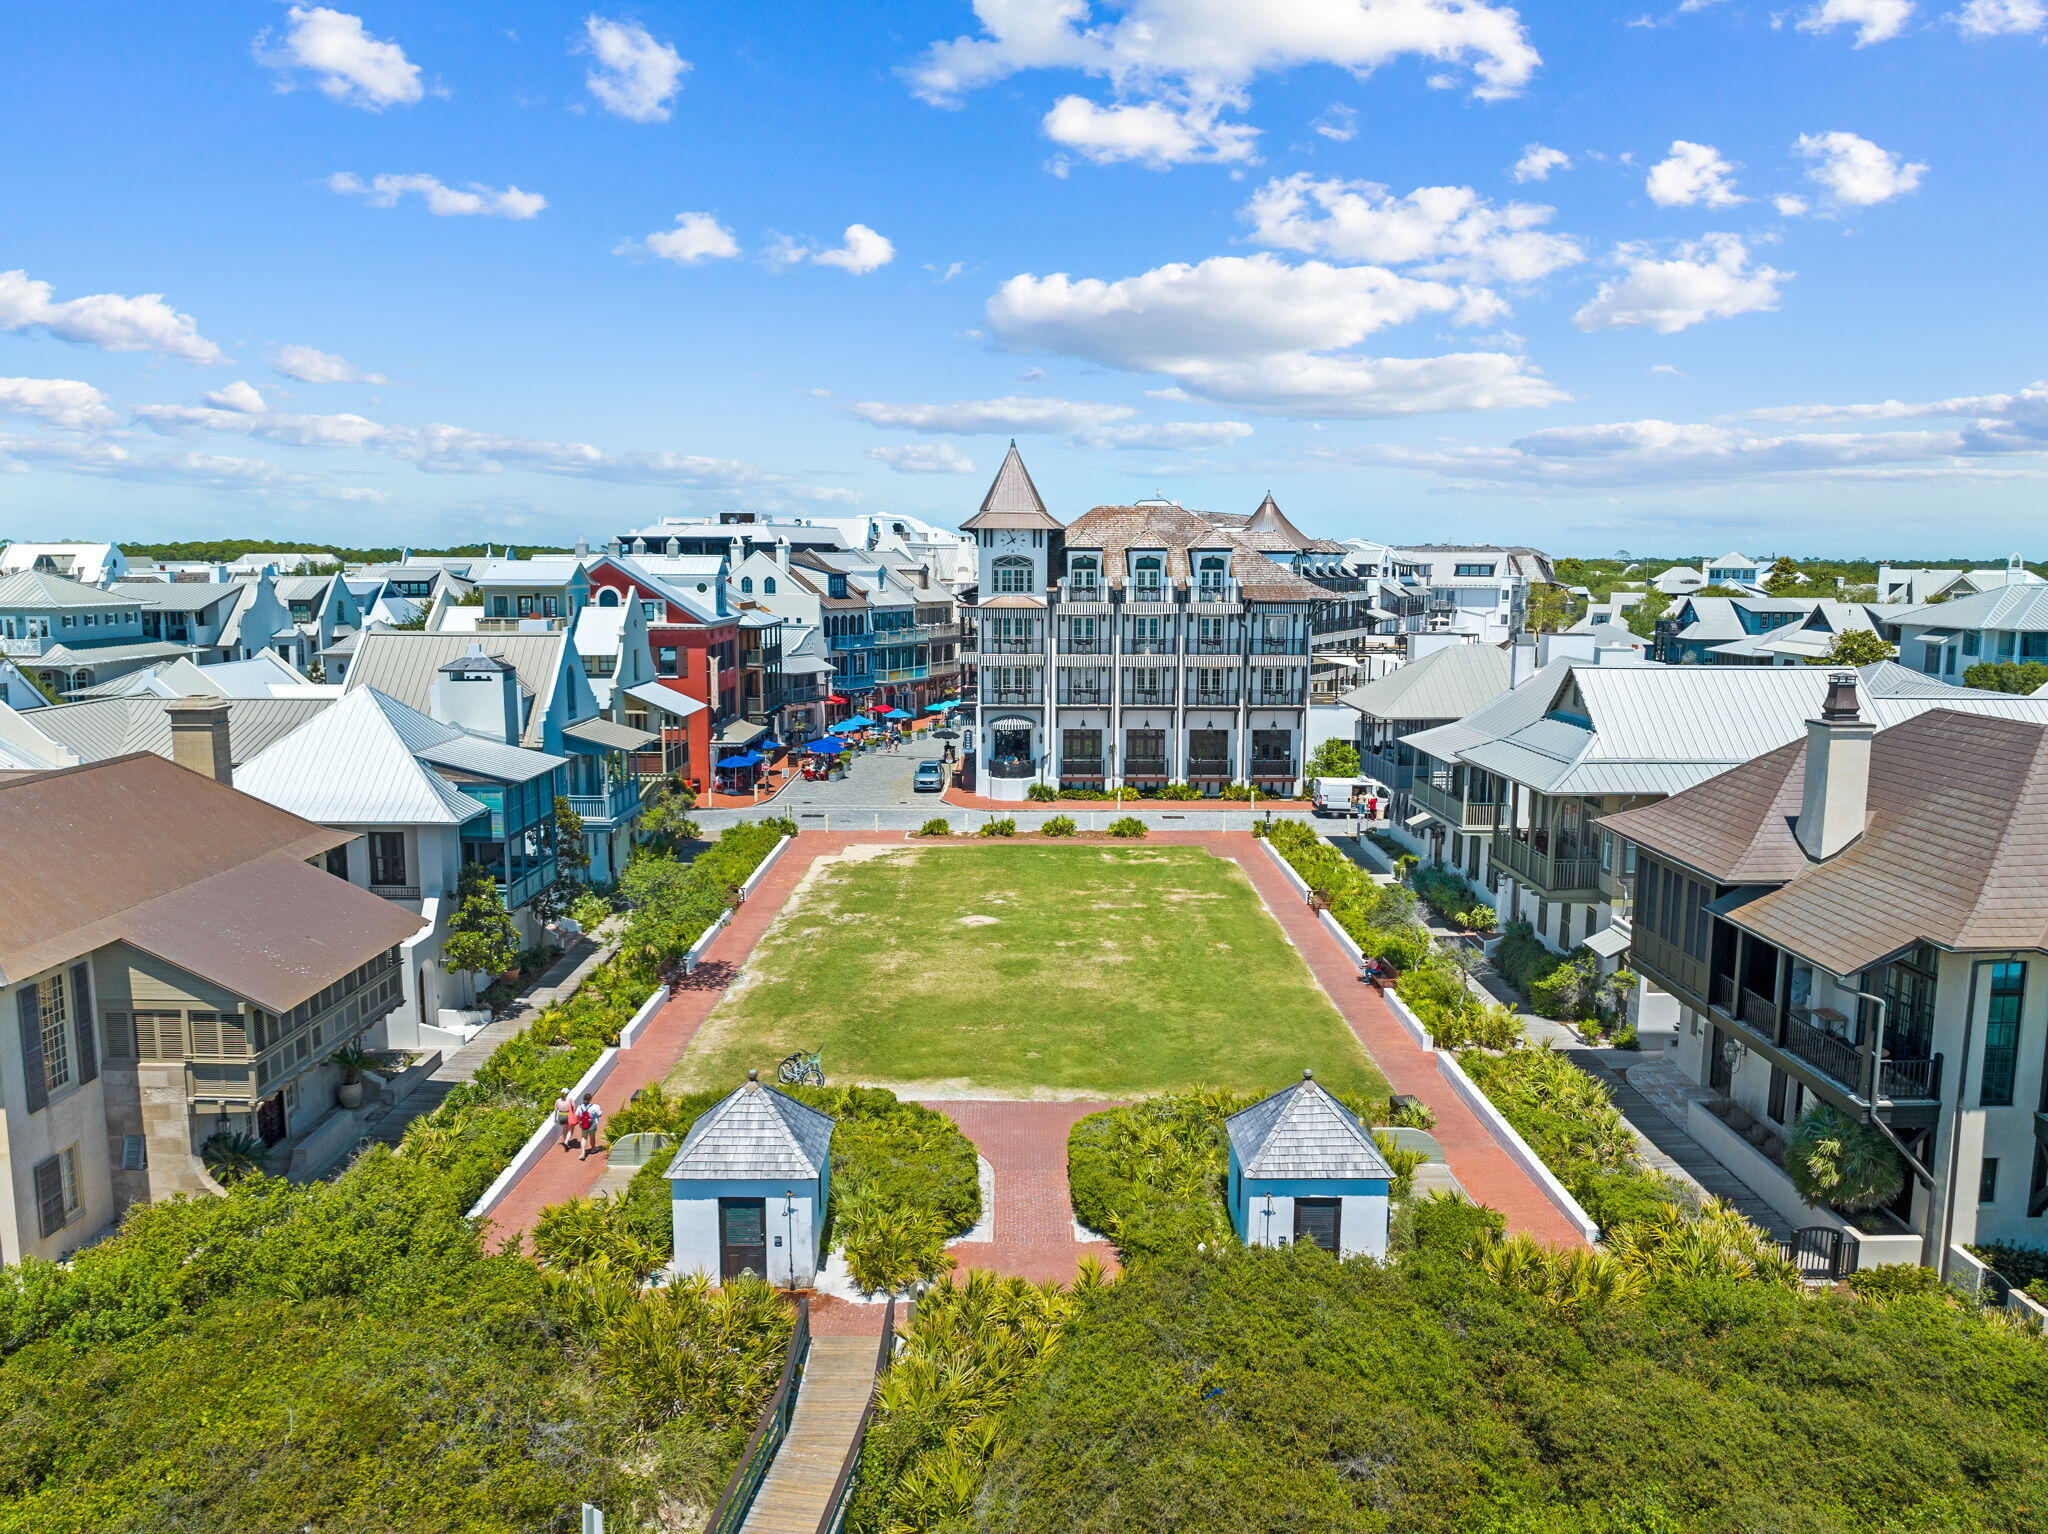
(846, 725)
(824, 746)
(743, 759)
(936, 708)
(769, 745)
(896, 713)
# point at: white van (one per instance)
(1336, 796)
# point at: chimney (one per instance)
(1521, 663)
(1836, 800)
(199, 737)
(478, 694)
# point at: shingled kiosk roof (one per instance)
(1952, 853)
(755, 1134)
(1012, 500)
(1302, 1131)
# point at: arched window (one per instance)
(1210, 570)
(747, 584)
(607, 597)
(1148, 572)
(767, 585)
(1012, 574)
(1084, 570)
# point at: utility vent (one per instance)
(134, 1153)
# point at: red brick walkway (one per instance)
(1025, 1143)
(1032, 1232)
(961, 799)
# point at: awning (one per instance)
(610, 735)
(739, 732)
(1608, 942)
(1420, 817)
(1937, 636)
(667, 699)
(805, 665)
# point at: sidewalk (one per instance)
(961, 799)
(1031, 1217)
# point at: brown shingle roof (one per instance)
(1176, 532)
(1955, 851)
(1012, 500)
(140, 850)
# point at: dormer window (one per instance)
(1084, 570)
(1211, 571)
(1148, 572)
(1011, 575)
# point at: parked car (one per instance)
(1338, 796)
(930, 777)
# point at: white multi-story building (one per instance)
(1138, 644)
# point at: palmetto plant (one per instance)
(231, 1156)
(1840, 1163)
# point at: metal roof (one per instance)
(669, 701)
(109, 654)
(404, 663)
(2020, 608)
(183, 596)
(755, 1134)
(1302, 1131)
(1447, 684)
(39, 588)
(610, 734)
(109, 727)
(352, 764)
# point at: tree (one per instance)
(1333, 759)
(572, 864)
(1783, 580)
(1551, 608)
(1642, 618)
(665, 807)
(2016, 676)
(1858, 647)
(481, 938)
(474, 597)
(1835, 1161)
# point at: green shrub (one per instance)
(1896, 1280)
(1127, 826)
(1179, 791)
(1236, 791)
(2015, 1263)
(1451, 1222)
(1836, 1162)
(1083, 793)
(1042, 793)
(1059, 825)
(1006, 826)
(938, 825)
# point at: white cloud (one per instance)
(236, 396)
(1666, 368)
(111, 321)
(310, 365)
(924, 458)
(1706, 279)
(1167, 435)
(1693, 176)
(635, 75)
(860, 250)
(1452, 230)
(1854, 172)
(111, 460)
(346, 63)
(1874, 20)
(1790, 206)
(1339, 123)
(1151, 133)
(1538, 161)
(61, 402)
(1256, 332)
(1205, 52)
(1996, 18)
(1006, 416)
(696, 237)
(475, 200)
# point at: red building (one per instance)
(695, 639)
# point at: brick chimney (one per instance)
(1835, 803)
(199, 737)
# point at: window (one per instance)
(57, 1201)
(1145, 751)
(651, 611)
(768, 586)
(665, 660)
(1011, 575)
(1909, 988)
(337, 861)
(1475, 569)
(1148, 572)
(606, 597)
(1210, 571)
(1972, 641)
(1078, 746)
(2002, 1034)
(1084, 570)
(54, 1010)
(1082, 630)
(1209, 632)
(387, 858)
(1272, 746)
(1776, 1107)
(1987, 1181)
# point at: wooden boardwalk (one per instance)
(839, 1373)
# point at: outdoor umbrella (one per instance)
(834, 697)
(845, 725)
(896, 713)
(743, 759)
(769, 745)
(936, 708)
(824, 746)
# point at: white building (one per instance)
(95, 564)
(748, 1189)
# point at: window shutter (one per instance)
(88, 1029)
(134, 1153)
(49, 1196)
(34, 1078)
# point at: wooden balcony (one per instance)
(1566, 875)
(1449, 805)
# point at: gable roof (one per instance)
(181, 596)
(2023, 608)
(403, 664)
(104, 728)
(753, 1134)
(139, 850)
(1302, 1131)
(1444, 684)
(39, 588)
(1177, 532)
(1952, 852)
(1012, 500)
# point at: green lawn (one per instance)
(1069, 971)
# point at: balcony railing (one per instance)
(1280, 644)
(30, 646)
(860, 641)
(1149, 646)
(1209, 767)
(531, 623)
(1013, 767)
(1276, 697)
(617, 803)
(396, 891)
(1027, 695)
(1272, 766)
(1199, 646)
(1553, 875)
(1099, 645)
(1381, 767)
(1085, 697)
(1212, 697)
(1144, 766)
(1148, 697)
(1454, 807)
(1081, 767)
(1009, 644)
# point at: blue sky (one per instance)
(378, 273)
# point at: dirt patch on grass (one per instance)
(974, 921)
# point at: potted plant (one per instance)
(353, 1060)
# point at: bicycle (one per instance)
(803, 1068)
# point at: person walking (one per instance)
(592, 1116)
(565, 1117)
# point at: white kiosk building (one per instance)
(1303, 1169)
(748, 1189)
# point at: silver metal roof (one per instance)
(40, 589)
(755, 1134)
(1448, 684)
(404, 663)
(1303, 1132)
(2022, 608)
(351, 765)
(110, 727)
(182, 596)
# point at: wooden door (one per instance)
(742, 1238)
(270, 1118)
(1317, 1222)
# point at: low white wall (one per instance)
(1406, 1018)
(1286, 869)
(1516, 1147)
(542, 1139)
(630, 1034)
